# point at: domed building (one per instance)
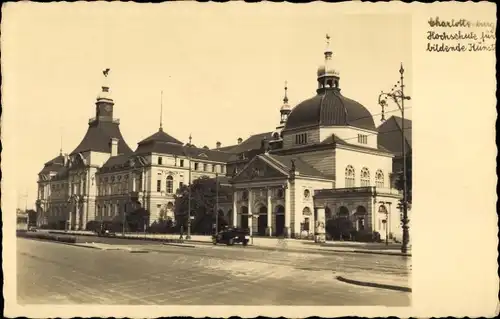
(323, 160)
(323, 155)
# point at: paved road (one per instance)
(57, 273)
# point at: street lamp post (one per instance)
(188, 236)
(398, 96)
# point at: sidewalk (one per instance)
(102, 246)
(392, 282)
(272, 243)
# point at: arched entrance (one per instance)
(262, 221)
(244, 217)
(280, 221)
(360, 218)
(343, 212)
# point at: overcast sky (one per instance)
(222, 71)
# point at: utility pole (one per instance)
(399, 98)
(216, 202)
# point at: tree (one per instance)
(203, 203)
(339, 227)
(399, 182)
(137, 219)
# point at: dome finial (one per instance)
(328, 52)
(161, 112)
(285, 99)
(105, 94)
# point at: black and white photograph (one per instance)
(182, 155)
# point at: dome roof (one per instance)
(330, 109)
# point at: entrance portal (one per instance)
(280, 221)
(244, 217)
(262, 221)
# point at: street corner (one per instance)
(387, 284)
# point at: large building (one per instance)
(326, 152)
(102, 179)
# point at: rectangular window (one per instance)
(160, 160)
(301, 139)
(362, 139)
(158, 185)
(195, 166)
(205, 168)
(306, 224)
(181, 163)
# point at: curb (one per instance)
(315, 250)
(372, 284)
(179, 245)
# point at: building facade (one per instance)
(102, 179)
(325, 155)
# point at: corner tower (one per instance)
(103, 128)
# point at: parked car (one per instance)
(230, 236)
(32, 228)
(106, 233)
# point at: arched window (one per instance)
(365, 177)
(349, 176)
(379, 179)
(170, 184)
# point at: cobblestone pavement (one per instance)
(52, 273)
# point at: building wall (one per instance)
(301, 202)
(313, 137)
(350, 135)
(358, 160)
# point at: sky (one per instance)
(222, 71)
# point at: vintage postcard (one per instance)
(235, 159)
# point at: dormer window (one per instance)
(301, 139)
(362, 139)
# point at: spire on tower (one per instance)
(190, 139)
(61, 149)
(285, 99)
(161, 112)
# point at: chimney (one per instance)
(114, 146)
(240, 140)
(218, 144)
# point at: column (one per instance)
(235, 208)
(143, 181)
(250, 211)
(133, 182)
(269, 229)
(319, 229)
(288, 208)
(84, 217)
(76, 222)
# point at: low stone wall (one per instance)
(148, 237)
(48, 236)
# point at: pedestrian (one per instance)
(182, 232)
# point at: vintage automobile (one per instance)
(230, 236)
(105, 233)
